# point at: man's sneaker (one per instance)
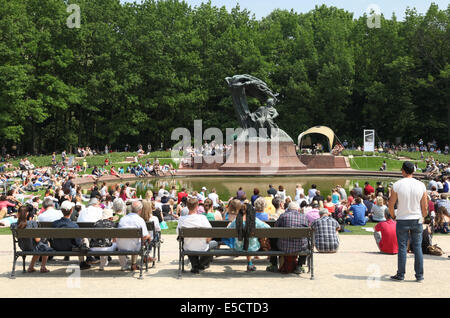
(84, 265)
(419, 280)
(397, 278)
(195, 271)
(203, 267)
(299, 270)
(272, 269)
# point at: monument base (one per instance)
(263, 156)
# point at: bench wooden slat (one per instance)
(259, 233)
(86, 225)
(80, 232)
(87, 253)
(231, 252)
(225, 223)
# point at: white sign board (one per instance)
(369, 140)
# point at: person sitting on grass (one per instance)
(29, 244)
(378, 210)
(326, 233)
(359, 212)
(442, 220)
(385, 235)
(245, 223)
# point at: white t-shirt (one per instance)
(131, 220)
(190, 221)
(155, 221)
(410, 191)
(91, 214)
(214, 198)
(50, 215)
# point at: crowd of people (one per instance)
(392, 148)
(327, 215)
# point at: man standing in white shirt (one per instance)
(194, 220)
(92, 214)
(50, 214)
(412, 207)
(132, 220)
(214, 198)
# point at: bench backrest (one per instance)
(80, 232)
(274, 232)
(225, 223)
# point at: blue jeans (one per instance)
(409, 229)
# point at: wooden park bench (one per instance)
(280, 233)
(155, 244)
(67, 233)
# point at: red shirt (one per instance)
(368, 189)
(181, 195)
(388, 243)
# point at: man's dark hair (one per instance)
(276, 203)
(66, 212)
(303, 204)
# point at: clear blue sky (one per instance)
(262, 8)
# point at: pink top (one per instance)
(4, 204)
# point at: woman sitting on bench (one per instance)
(245, 223)
(28, 245)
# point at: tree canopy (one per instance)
(133, 72)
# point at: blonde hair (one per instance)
(148, 195)
(147, 208)
(260, 204)
(380, 201)
(234, 206)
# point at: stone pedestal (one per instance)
(263, 156)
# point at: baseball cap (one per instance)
(93, 201)
(204, 189)
(67, 205)
(408, 167)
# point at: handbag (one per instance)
(435, 250)
(43, 247)
(265, 244)
(163, 225)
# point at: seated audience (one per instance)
(291, 218)
(132, 220)
(195, 220)
(385, 235)
(244, 223)
(326, 233)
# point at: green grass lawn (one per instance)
(115, 158)
(375, 163)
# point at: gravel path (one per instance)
(357, 270)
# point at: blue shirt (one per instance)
(263, 216)
(253, 242)
(65, 244)
(359, 214)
